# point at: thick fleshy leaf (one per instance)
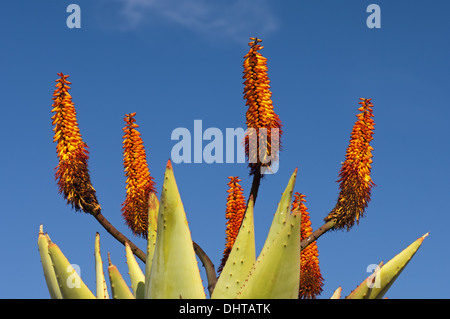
(47, 265)
(240, 261)
(174, 273)
(153, 208)
(70, 283)
(119, 287)
(337, 293)
(377, 284)
(276, 273)
(283, 211)
(136, 275)
(102, 289)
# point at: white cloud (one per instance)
(233, 18)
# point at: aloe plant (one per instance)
(287, 265)
(172, 270)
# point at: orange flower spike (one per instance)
(72, 172)
(260, 113)
(234, 213)
(354, 176)
(139, 183)
(311, 280)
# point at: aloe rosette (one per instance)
(172, 271)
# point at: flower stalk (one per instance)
(261, 144)
(311, 280)
(139, 183)
(72, 172)
(354, 176)
(234, 213)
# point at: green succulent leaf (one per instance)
(174, 273)
(276, 273)
(70, 283)
(101, 288)
(378, 283)
(119, 287)
(240, 260)
(47, 265)
(136, 275)
(283, 211)
(153, 209)
(337, 293)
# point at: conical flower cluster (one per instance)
(260, 113)
(355, 181)
(72, 172)
(234, 213)
(311, 280)
(139, 183)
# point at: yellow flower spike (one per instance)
(72, 172)
(354, 176)
(311, 280)
(139, 183)
(234, 213)
(260, 113)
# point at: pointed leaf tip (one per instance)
(381, 280)
(337, 293)
(101, 288)
(276, 272)
(240, 260)
(136, 275)
(47, 265)
(174, 268)
(70, 283)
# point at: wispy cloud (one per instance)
(231, 18)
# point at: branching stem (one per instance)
(317, 233)
(255, 185)
(118, 235)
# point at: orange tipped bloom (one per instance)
(234, 213)
(311, 280)
(139, 183)
(355, 181)
(260, 113)
(72, 171)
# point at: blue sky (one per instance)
(173, 62)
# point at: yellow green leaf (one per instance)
(47, 265)
(377, 284)
(136, 275)
(174, 273)
(240, 261)
(102, 289)
(70, 283)
(276, 273)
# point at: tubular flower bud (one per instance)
(139, 183)
(355, 181)
(72, 172)
(311, 280)
(262, 141)
(234, 213)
